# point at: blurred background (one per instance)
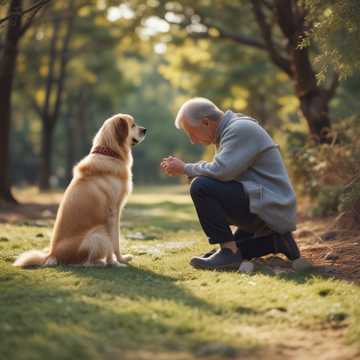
(66, 66)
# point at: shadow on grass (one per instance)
(89, 321)
(277, 266)
(27, 212)
(166, 215)
(136, 283)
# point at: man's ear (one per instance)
(121, 130)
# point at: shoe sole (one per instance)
(233, 266)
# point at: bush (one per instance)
(329, 174)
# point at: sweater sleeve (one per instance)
(239, 146)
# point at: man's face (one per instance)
(203, 133)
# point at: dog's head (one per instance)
(118, 131)
(126, 130)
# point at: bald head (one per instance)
(196, 109)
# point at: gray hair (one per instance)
(196, 109)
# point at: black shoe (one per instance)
(209, 253)
(220, 260)
(286, 244)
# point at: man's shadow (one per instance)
(136, 283)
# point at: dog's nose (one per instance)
(143, 131)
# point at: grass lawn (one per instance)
(161, 308)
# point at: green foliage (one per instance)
(329, 174)
(114, 67)
(335, 28)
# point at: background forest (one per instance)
(65, 66)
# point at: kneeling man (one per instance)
(246, 185)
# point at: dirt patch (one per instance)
(10, 213)
(321, 345)
(331, 252)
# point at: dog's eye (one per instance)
(133, 125)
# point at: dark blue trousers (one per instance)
(220, 204)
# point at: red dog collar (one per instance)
(103, 150)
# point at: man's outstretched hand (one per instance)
(172, 166)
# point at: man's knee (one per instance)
(199, 185)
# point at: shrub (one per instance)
(329, 174)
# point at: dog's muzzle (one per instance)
(142, 132)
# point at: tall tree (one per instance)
(276, 27)
(15, 29)
(49, 110)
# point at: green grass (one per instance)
(159, 307)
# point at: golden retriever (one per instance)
(86, 230)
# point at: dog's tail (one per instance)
(34, 258)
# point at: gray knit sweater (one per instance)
(246, 153)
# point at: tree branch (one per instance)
(64, 59)
(222, 34)
(35, 8)
(30, 19)
(286, 19)
(266, 32)
(238, 38)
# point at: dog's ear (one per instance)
(121, 130)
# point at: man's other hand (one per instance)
(172, 166)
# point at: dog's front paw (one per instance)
(116, 264)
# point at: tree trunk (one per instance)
(51, 112)
(46, 151)
(314, 101)
(80, 126)
(315, 108)
(7, 73)
(70, 146)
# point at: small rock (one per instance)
(246, 267)
(136, 235)
(331, 256)
(4, 239)
(328, 235)
(275, 313)
(301, 264)
(338, 316)
(47, 213)
(39, 235)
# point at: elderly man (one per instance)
(246, 185)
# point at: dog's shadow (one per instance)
(88, 305)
